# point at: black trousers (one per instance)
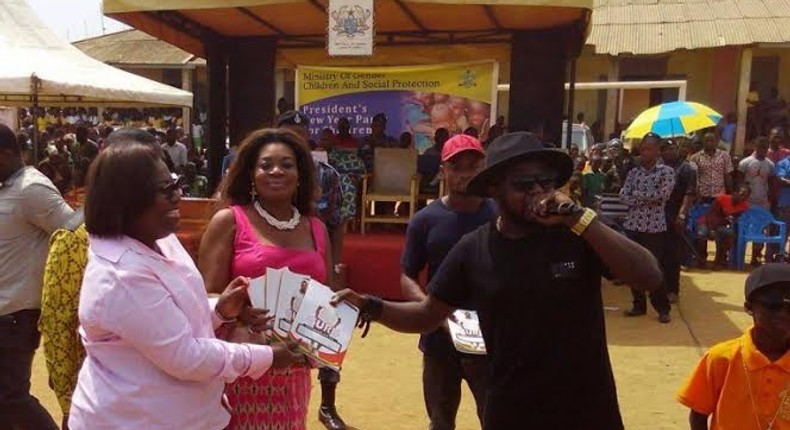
(328, 375)
(656, 243)
(19, 339)
(675, 255)
(441, 385)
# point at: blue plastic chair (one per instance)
(694, 214)
(751, 227)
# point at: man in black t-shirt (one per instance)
(431, 234)
(534, 277)
(677, 208)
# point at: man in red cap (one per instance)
(431, 234)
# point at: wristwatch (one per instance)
(588, 216)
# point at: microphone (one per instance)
(563, 209)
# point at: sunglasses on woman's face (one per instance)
(527, 183)
(172, 188)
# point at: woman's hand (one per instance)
(233, 299)
(256, 319)
(286, 354)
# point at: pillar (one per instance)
(215, 129)
(538, 70)
(743, 92)
(279, 86)
(251, 92)
(613, 75)
(186, 112)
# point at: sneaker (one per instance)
(664, 318)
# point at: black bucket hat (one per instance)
(514, 147)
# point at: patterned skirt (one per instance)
(277, 401)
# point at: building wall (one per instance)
(155, 74)
(724, 79)
(783, 54)
(711, 75)
(696, 67)
(172, 76)
(591, 68)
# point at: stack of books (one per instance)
(301, 312)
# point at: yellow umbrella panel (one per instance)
(673, 119)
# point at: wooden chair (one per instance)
(429, 197)
(395, 179)
(195, 215)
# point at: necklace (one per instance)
(274, 222)
(783, 398)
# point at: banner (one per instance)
(350, 27)
(416, 99)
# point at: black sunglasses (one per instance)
(527, 183)
(173, 187)
(774, 304)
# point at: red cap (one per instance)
(460, 143)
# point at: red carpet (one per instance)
(373, 262)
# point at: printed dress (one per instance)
(280, 398)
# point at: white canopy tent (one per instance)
(39, 68)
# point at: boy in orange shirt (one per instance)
(744, 383)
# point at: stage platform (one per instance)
(373, 262)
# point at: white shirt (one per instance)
(197, 131)
(178, 154)
(152, 360)
(31, 209)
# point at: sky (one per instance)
(75, 19)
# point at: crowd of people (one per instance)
(723, 184)
(132, 339)
(69, 139)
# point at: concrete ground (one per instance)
(381, 386)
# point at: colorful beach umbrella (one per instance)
(673, 119)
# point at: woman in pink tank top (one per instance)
(269, 191)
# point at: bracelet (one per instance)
(586, 219)
(371, 311)
(222, 319)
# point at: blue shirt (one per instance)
(428, 167)
(228, 160)
(431, 235)
(783, 171)
(330, 203)
(728, 132)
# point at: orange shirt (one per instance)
(725, 200)
(724, 207)
(719, 387)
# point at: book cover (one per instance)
(257, 292)
(293, 287)
(324, 331)
(465, 332)
(273, 278)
